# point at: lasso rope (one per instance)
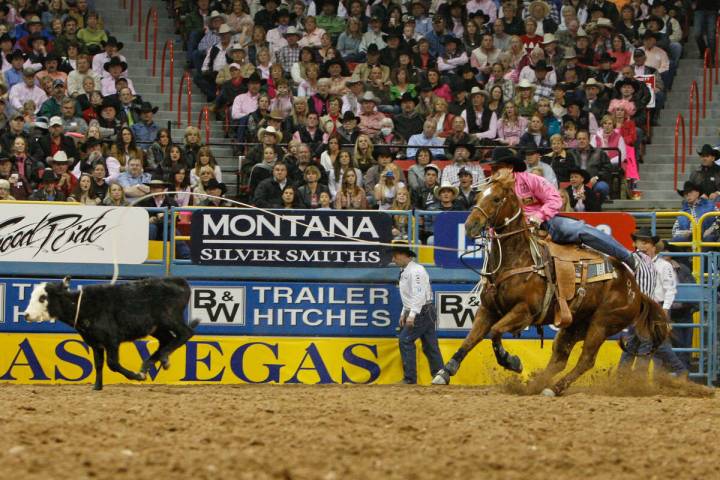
(116, 265)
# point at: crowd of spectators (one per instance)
(343, 105)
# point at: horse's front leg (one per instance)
(516, 319)
(481, 325)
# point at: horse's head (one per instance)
(497, 205)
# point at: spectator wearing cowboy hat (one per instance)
(453, 56)
(215, 60)
(159, 199)
(26, 91)
(112, 48)
(289, 54)
(532, 160)
(60, 164)
(269, 137)
(542, 76)
(35, 46)
(146, 130)
(461, 156)
(348, 129)
(540, 11)
(446, 194)
(707, 176)
(383, 161)
(362, 70)
(370, 117)
(276, 36)
(268, 16)
(19, 187)
(218, 191)
(582, 198)
(657, 58)
(408, 122)
(594, 103)
(117, 69)
(50, 68)
(695, 205)
(245, 104)
(14, 74)
(47, 190)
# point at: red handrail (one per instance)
(123, 4)
(140, 20)
(168, 47)
(705, 86)
(226, 123)
(151, 11)
(205, 115)
(679, 122)
(707, 70)
(188, 83)
(717, 44)
(694, 104)
(132, 12)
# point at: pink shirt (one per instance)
(244, 105)
(538, 196)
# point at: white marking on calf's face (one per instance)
(37, 309)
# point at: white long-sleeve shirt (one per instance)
(415, 289)
(665, 283)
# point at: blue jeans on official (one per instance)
(664, 356)
(569, 230)
(424, 329)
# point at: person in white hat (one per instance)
(276, 36)
(211, 38)
(60, 164)
(57, 141)
(370, 118)
(215, 60)
(542, 13)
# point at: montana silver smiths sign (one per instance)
(299, 238)
(73, 234)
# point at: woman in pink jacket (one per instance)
(541, 203)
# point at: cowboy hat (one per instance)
(276, 115)
(382, 151)
(445, 186)
(213, 183)
(41, 122)
(656, 19)
(479, 91)
(604, 23)
(524, 83)
(48, 176)
(60, 157)
(270, 131)
(146, 107)
(570, 53)
(542, 65)
(582, 172)
(545, 7)
(113, 42)
(224, 28)
(55, 122)
(255, 78)
(115, 62)
(216, 14)
(36, 36)
(549, 38)
(688, 187)
(292, 31)
(369, 97)
(372, 49)
(16, 54)
(707, 149)
(506, 156)
(33, 20)
(470, 148)
(392, 33)
(644, 234)
(108, 103)
(157, 181)
(402, 246)
(432, 166)
(592, 82)
(408, 97)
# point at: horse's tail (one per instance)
(652, 323)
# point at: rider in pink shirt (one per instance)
(541, 203)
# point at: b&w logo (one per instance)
(224, 306)
(456, 310)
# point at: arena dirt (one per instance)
(349, 432)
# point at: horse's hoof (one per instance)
(97, 388)
(165, 364)
(514, 364)
(549, 392)
(140, 376)
(441, 378)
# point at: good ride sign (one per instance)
(290, 238)
(70, 233)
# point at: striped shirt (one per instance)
(645, 273)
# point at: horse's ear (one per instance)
(66, 282)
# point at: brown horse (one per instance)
(514, 297)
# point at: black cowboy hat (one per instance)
(452, 39)
(213, 183)
(147, 107)
(6, 38)
(506, 156)
(109, 102)
(50, 57)
(645, 233)
(115, 62)
(470, 148)
(384, 151)
(542, 65)
(349, 115)
(157, 180)
(392, 33)
(16, 54)
(688, 187)
(465, 68)
(255, 78)
(36, 36)
(409, 97)
(113, 42)
(344, 70)
(479, 13)
(708, 149)
(582, 172)
(90, 143)
(402, 246)
(372, 49)
(49, 176)
(625, 81)
(649, 34)
(656, 19)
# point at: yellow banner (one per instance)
(65, 359)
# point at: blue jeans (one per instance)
(603, 189)
(424, 329)
(704, 25)
(242, 124)
(664, 355)
(569, 230)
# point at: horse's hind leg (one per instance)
(564, 342)
(594, 339)
(481, 325)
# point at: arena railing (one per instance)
(152, 15)
(678, 154)
(139, 17)
(187, 81)
(168, 48)
(204, 117)
(693, 113)
(707, 85)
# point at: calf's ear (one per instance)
(66, 282)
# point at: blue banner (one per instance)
(281, 309)
(450, 232)
(290, 238)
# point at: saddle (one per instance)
(569, 268)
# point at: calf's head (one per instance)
(45, 301)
